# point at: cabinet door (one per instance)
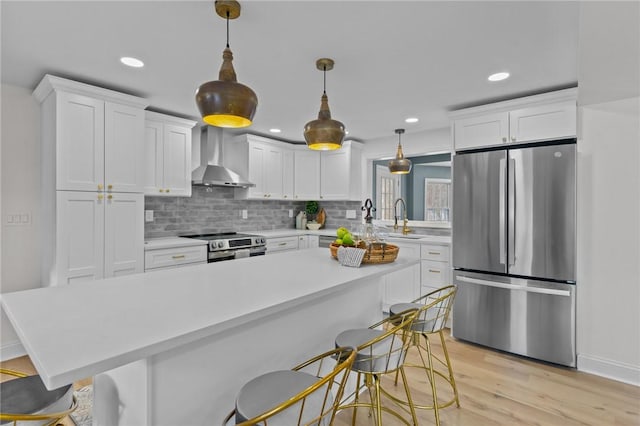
(273, 173)
(124, 234)
(334, 175)
(552, 121)
(153, 158)
(124, 137)
(483, 130)
(79, 241)
(403, 286)
(80, 143)
(303, 242)
(177, 160)
(287, 174)
(306, 175)
(257, 159)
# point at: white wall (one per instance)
(608, 307)
(20, 194)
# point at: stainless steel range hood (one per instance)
(212, 172)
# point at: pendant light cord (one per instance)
(324, 76)
(227, 29)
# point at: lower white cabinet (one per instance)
(167, 258)
(98, 235)
(278, 244)
(435, 266)
(403, 286)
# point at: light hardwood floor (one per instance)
(501, 389)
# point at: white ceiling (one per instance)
(394, 59)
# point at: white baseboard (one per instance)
(11, 350)
(619, 371)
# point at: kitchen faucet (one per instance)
(405, 228)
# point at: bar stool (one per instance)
(25, 400)
(431, 318)
(306, 395)
(381, 349)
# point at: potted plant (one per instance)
(311, 208)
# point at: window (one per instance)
(437, 200)
(387, 190)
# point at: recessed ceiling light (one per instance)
(411, 120)
(275, 130)
(132, 62)
(498, 76)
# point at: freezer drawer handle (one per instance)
(566, 293)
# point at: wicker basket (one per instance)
(377, 252)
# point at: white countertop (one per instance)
(171, 242)
(79, 330)
(332, 232)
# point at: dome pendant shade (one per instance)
(225, 102)
(399, 165)
(324, 134)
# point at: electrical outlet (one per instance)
(148, 215)
(351, 214)
(244, 214)
(290, 212)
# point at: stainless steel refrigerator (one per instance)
(514, 249)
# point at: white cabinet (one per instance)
(173, 257)
(267, 163)
(167, 145)
(435, 267)
(308, 241)
(279, 244)
(328, 175)
(306, 176)
(97, 235)
(403, 286)
(95, 142)
(92, 181)
(534, 118)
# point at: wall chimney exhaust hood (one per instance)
(212, 172)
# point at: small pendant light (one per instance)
(225, 102)
(324, 134)
(399, 165)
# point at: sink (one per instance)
(407, 237)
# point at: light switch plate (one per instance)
(148, 215)
(351, 214)
(244, 214)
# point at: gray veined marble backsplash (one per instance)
(217, 211)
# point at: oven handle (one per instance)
(551, 291)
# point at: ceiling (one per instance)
(393, 59)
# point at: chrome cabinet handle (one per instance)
(282, 244)
(179, 256)
(435, 271)
(437, 253)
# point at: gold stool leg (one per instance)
(355, 401)
(408, 392)
(378, 402)
(451, 378)
(432, 379)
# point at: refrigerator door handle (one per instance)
(501, 214)
(511, 230)
(550, 291)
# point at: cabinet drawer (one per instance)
(281, 244)
(434, 252)
(435, 274)
(162, 258)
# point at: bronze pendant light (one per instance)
(324, 134)
(399, 165)
(225, 102)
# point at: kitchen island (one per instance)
(174, 346)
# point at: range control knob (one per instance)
(220, 244)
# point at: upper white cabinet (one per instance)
(167, 146)
(93, 138)
(267, 163)
(534, 118)
(328, 175)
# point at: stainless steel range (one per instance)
(231, 245)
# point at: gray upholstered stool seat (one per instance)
(28, 395)
(423, 322)
(269, 390)
(377, 358)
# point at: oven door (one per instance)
(217, 256)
